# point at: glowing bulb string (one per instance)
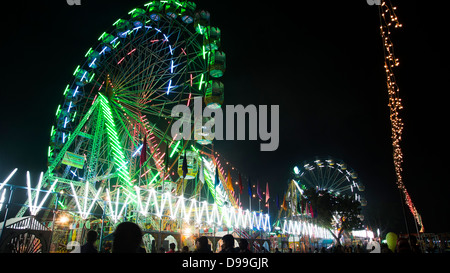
(388, 18)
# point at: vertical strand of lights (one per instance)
(388, 20)
(114, 142)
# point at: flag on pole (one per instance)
(277, 201)
(312, 211)
(143, 157)
(258, 192)
(249, 188)
(229, 182)
(216, 178)
(185, 167)
(166, 158)
(267, 192)
(241, 187)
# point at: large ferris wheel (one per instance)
(111, 132)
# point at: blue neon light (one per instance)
(137, 150)
(168, 88)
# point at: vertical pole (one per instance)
(6, 213)
(100, 245)
(54, 216)
(214, 242)
(404, 213)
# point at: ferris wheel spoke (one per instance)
(308, 181)
(331, 180)
(338, 183)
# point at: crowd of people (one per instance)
(128, 239)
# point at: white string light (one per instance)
(33, 204)
(2, 199)
(304, 228)
(178, 207)
(7, 179)
(85, 211)
(115, 213)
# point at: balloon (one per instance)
(391, 239)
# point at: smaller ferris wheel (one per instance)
(332, 175)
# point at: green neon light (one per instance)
(196, 150)
(101, 37)
(66, 90)
(58, 110)
(108, 117)
(201, 83)
(61, 204)
(114, 141)
(116, 22)
(76, 70)
(154, 178)
(90, 80)
(89, 52)
(174, 149)
(116, 44)
(200, 29)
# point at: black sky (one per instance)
(322, 62)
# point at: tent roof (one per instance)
(27, 222)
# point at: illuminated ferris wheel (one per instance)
(112, 129)
(332, 175)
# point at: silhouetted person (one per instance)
(415, 247)
(106, 248)
(202, 246)
(127, 238)
(185, 249)
(385, 249)
(243, 246)
(228, 244)
(89, 247)
(403, 246)
(339, 249)
(171, 248)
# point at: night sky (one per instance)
(321, 62)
